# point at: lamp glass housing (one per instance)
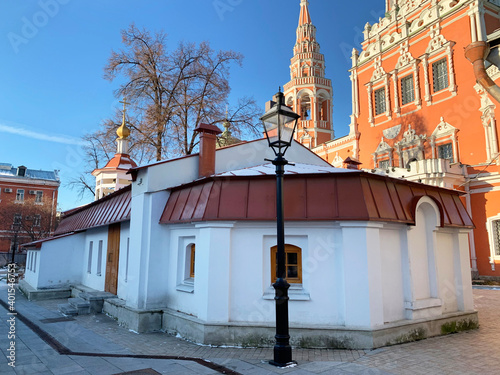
(279, 125)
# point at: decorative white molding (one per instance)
(383, 147)
(443, 129)
(437, 40)
(392, 132)
(427, 89)
(397, 109)
(430, 12)
(446, 132)
(406, 58)
(488, 120)
(378, 71)
(418, 100)
(370, 103)
(410, 147)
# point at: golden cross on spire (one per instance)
(123, 132)
(124, 102)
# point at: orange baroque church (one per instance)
(418, 111)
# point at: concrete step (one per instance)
(67, 309)
(96, 299)
(81, 305)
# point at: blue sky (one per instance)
(53, 52)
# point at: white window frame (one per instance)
(39, 196)
(490, 228)
(20, 194)
(127, 259)
(185, 283)
(89, 259)
(407, 78)
(444, 133)
(37, 220)
(436, 78)
(99, 259)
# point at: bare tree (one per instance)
(170, 92)
(30, 221)
(173, 91)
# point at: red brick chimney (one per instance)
(208, 141)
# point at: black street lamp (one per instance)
(16, 227)
(279, 125)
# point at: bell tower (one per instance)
(113, 176)
(309, 93)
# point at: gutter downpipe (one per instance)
(476, 53)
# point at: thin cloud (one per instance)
(43, 137)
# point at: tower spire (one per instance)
(123, 132)
(309, 92)
(305, 17)
(113, 175)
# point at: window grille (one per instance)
(379, 101)
(407, 90)
(445, 152)
(39, 196)
(440, 75)
(496, 236)
(384, 164)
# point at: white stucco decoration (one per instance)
(383, 147)
(392, 132)
(378, 72)
(437, 40)
(443, 129)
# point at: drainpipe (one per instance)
(476, 53)
(468, 205)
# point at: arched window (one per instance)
(293, 264)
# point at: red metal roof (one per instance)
(330, 196)
(110, 209)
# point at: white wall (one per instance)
(58, 263)
(124, 259)
(354, 273)
(392, 272)
(148, 257)
(94, 279)
(446, 266)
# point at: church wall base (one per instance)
(33, 294)
(251, 335)
(140, 321)
(261, 335)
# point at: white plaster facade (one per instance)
(364, 283)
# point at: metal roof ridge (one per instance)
(99, 201)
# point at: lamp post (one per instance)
(279, 125)
(16, 228)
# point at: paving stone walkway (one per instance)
(96, 344)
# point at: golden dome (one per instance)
(123, 132)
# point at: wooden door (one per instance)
(112, 258)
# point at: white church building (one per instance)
(189, 248)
